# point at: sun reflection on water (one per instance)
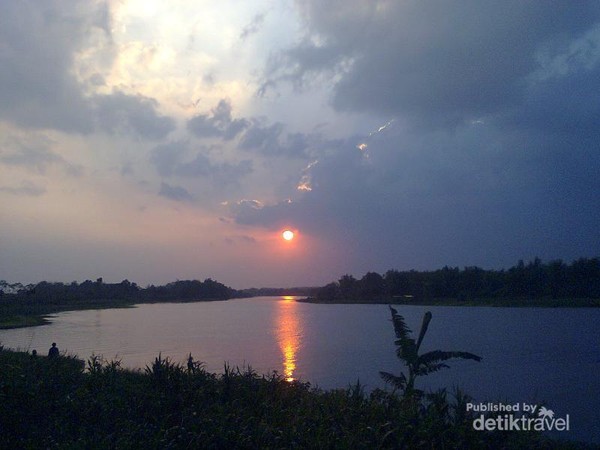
(288, 334)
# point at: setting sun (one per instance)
(288, 235)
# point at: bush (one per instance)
(57, 404)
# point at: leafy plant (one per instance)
(54, 403)
(164, 372)
(408, 351)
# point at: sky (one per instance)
(160, 140)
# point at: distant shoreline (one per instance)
(495, 302)
(32, 320)
(24, 320)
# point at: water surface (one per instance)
(529, 354)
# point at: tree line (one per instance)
(553, 280)
(44, 295)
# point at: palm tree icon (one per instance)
(545, 413)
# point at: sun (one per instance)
(288, 235)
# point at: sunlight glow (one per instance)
(304, 186)
(288, 336)
(381, 128)
(288, 235)
(305, 182)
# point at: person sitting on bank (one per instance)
(53, 352)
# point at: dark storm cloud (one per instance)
(176, 193)
(262, 138)
(256, 135)
(272, 140)
(224, 173)
(477, 196)
(201, 126)
(122, 113)
(302, 65)
(251, 212)
(218, 123)
(437, 62)
(503, 161)
(38, 89)
(173, 160)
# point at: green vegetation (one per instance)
(22, 306)
(21, 321)
(57, 403)
(554, 284)
(533, 284)
(408, 351)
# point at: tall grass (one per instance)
(62, 403)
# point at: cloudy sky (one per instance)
(162, 140)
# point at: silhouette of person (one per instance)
(34, 353)
(53, 352)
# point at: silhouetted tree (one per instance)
(372, 285)
(348, 287)
(396, 283)
(328, 292)
(407, 350)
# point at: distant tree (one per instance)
(445, 282)
(471, 281)
(396, 283)
(516, 280)
(348, 287)
(556, 276)
(584, 278)
(372, 286)
(328, 292)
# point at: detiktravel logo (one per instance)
(517, 417)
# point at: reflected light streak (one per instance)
(288, 335)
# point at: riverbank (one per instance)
(541, 302)
(14, 315)
(19, 321)
(31, 305)
(55, 402)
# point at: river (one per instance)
(530, 355)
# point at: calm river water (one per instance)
(535, 355)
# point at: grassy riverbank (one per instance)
(17, 314)
(30, 305)
(56, 403)
(20, 321)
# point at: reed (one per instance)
(64, 403)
